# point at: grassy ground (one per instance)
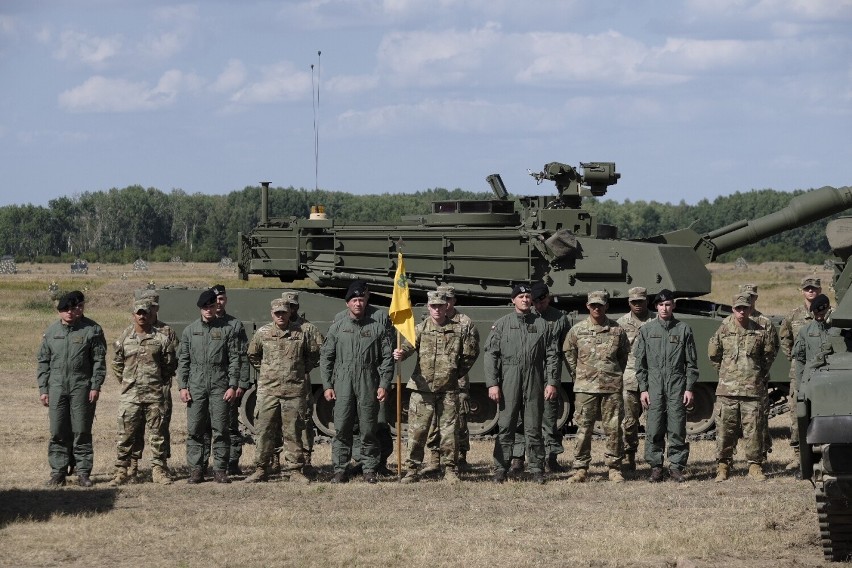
(699, 523)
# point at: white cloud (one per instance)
(350, 84)
(279, 83)
(101, 94)
(231, 78)
(90, 50)
(162, 46)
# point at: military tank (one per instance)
(824, 410)
(484, 247)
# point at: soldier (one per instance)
(790, 326)
(71, 370)
(667, 370)
(283, 352)
(356, 367)
(144, 362)
(813, 342)
(630, 323)
(445, 353)
(208, 375)
(433, 439)
(742, 351)
(521, 360)
(596, 351)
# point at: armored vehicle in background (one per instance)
(484, 247)
(824, 410)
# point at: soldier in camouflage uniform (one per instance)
(356, 367)
(742, 351)
(433, 440)
(630, 323)
(283, 352)
(71, 369)
(445, 353)
(144, 362)
(790, 326)
(208, 375)
(596, 351)
(521, 363)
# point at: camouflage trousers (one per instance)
(433, 440)
(630, 424)
(794, 421)
(139, 443)
(423, 409)
(135, 418)
(287, 415)
(731, 413)
(588, 408)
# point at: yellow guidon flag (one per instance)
(400, 308)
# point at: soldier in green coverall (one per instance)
(71, 370)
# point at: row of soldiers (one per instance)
(619, 368)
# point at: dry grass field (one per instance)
(699, 523)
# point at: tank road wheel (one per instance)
(483, 411)
(246, 411)
(564, 409)
(701, 418)
(323, 414)
(390, 410)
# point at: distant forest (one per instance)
(121, 225)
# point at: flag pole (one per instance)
(399, 409)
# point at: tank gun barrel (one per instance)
(803, 209)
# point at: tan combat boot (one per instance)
(159, 475)
(433, 465)
(722, 472)
(579, 476)
(451, 477)
(133, 470)
(615, 475)
(260, 474)
(755, 472)
(120, 477)
(410, 477)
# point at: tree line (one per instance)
(121, 225)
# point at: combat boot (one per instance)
(340, 477)
(308, 469)
(615, 475)
(656, 475)
(676, 475)
(499, 476)
(579, 476)
(722, 471)
(451, 477)
(195, 476)
(552, 464)
(83, 479)
(433, 465)
(220, 476)
(461, 464)
(133, 469)
(755, 472)
(538, 478)
(159, 475)
(234, 468)
(410, 477)
(517, 467)
(56, 480)
(631, 462)
(297, 476)
(120, 477)
(371, 477)
(260, 474)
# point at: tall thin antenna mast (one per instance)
(315, 96)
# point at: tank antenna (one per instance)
(315, 97)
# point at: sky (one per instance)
(691, 100)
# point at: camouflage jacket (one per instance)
(596, 356)
(284, 358)
(790, 327)
(208, 356)
(742, 356)
(358, 350)
(521, 347)
(472, 336)
(631, 324)
(444, 354)
(771, 334)
(665, 353)
(144, 364)
(72, 355)
(559, 325)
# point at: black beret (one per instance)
(820, 303)
(206, 298)
(66, 302)
(358, 289)
(539, 290)
(664, 295)
(77, 296)
(218, 289)
(521, 289)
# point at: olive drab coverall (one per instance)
(71, 362)
(521, 357)
(355, 360)
(208, 365)
(666, 367)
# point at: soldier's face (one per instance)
(741, 314)
(357, 306)
(639, 307)
(665, 309)
(208, 312)
(142, 318)
(597, 311)
(542, 304)
(70, 315)
(811, 292)
(221, 302)
(438, 312)
(294, 311)
(281, 318)
(820, 314)
(523, 302)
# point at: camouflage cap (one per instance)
(741, 300)
(598, 297)
(436, 298)
(637, 293)
(290, 297)
(151, 295)
(279, 305)
(750, 289)
(811, 281)
(141, 305)
(447, 290)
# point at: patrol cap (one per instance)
(820, 303)
(151, 295)
(637, 293)
(206, 298)
(539, 290)
(279, 305)
(218, 289)
(141, 305)
(750, 289)
(741, 300)
(811, 281)
(598, 297)
(66, 302)
(521, 289)
(447, 290)
(358, 289)
(436, 298)
(77, 296)
(290, 297)
(664, 295)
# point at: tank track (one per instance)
(834, 513)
